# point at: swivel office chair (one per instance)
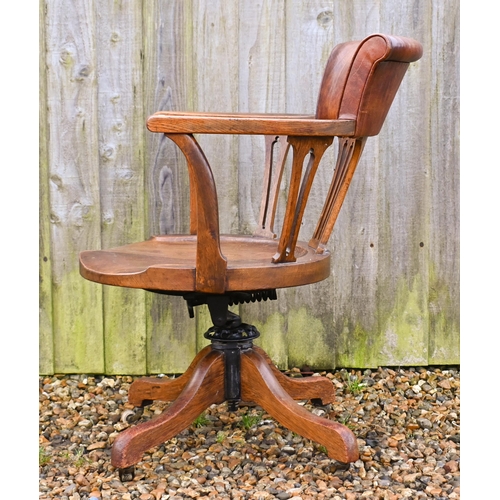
(204, 267)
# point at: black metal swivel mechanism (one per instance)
(229, 334)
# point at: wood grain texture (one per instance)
(205, 383)
(74, 189)
(207, 262)
(168, 85)
(121, 167)
(46, 327)
(170, 264)
(403, 223)
(354, 263)
(258, 384)
(384, 226)
(164, 389)
(215, 60)
(246, 124)
(261, 89)
(302, 387)
(388, 296)
(206, 387)
(443, 250)
(309, 40)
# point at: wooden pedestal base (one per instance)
(203, 385)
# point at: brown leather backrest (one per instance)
(361, 79)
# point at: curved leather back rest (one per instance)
(362, 78)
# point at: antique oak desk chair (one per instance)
(205, 267)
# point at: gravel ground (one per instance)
(407, 421)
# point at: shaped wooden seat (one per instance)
(169, 263)
(359, 84)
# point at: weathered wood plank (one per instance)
(74, 184)
(261, 85)
(171, 334)
(309, 41)
(121, 161)
(215, 71)
(444, 206)
(46, 340)
(389, 299)
(374, 315)
(354, 263)
(403, 328)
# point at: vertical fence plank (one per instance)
(403, 327)
(167, 86)
(354, 263)
(373, 313)
(215, 73)
(444, 223)
(261, 89)
(215, 77)
(262, 58)
(309, 41)
(74, 184)
(121, 150)
(45, 340)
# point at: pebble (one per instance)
(407, 422)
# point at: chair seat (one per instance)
(168, 263)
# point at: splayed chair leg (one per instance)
(203, 384)
(301, 388)
(204, 388)
(166, 389)
(260, 385)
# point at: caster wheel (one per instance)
(127, 474)
(341, 466)
(129, 416)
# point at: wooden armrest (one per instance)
(210, 263)
(171, 122)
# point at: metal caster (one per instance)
(341, 466)
(129, 416)
(126, 474)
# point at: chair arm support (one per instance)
(171, 122)
(210, 263)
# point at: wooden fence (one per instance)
(106, 65)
